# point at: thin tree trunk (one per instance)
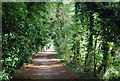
(90, 43)
(95, 57)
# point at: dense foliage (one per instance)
(86, 35)
(90, 42)
(24, 33)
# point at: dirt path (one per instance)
(44, 66)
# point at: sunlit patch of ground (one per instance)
(44, 66)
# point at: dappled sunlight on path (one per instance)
(45, 66)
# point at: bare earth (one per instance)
(44, 66)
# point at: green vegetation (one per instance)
(91, 41)
(86, 35)
(24, 33)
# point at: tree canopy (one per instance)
(85, 34)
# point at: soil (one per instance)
(44, 66)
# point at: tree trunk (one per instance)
(90, 43)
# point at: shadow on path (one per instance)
(44, 66)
